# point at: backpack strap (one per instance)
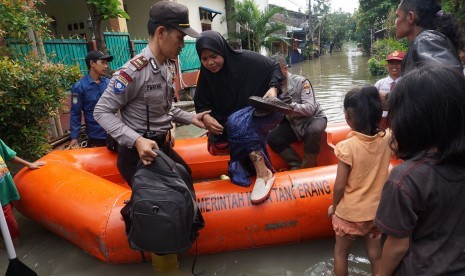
(166, 159)
(172, 165)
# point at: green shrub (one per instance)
(381, 49)
(31, 92)
(376, 67)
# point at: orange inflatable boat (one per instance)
(79, 193)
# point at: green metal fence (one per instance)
(119, 46)
(139, 45)
(19, 48)
(74, 51)
(66, 51)
(188, 59)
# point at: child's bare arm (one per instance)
(342, 175)
(32, 166)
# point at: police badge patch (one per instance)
(307, 87)
(125, 75)
(120, 84)
(74, 98)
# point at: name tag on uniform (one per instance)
(153, 86)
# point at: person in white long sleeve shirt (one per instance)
(387, 84)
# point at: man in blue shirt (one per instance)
(85, 95)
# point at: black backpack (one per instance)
(162, 215)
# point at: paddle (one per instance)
(16, 267)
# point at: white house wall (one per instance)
(68, 12)
(75, 11)
(262, 4)
(139, 12)
(218, 23)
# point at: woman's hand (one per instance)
(212, 125)
(198, 119)
(272, 92)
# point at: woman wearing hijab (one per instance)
(226, 81)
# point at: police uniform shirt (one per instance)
(303, 96)
(303, 102)
(138, 83)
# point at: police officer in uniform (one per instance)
(306, 123)
(84, 96)
(143, 91)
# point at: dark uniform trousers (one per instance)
(282, 136)
(92, 143)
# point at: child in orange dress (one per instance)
(362, 170)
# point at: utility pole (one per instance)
(310, 29)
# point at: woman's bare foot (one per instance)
(260, 166)
(264, 181)
(267, 176)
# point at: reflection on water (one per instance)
(332, 76)
(47, 254)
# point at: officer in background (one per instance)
(143, 91)
(84, 96)
(306, 123)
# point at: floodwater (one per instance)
(332, 76)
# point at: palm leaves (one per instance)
(255, 26)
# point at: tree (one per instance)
(371, 16)
(229, 7)
(320, 11)
(457, 7)
(32, 89)
(321, 7)
(379, 14)
(101, 10)
(255, 26)
(338, 28)
(21, 21)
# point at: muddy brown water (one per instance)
(332, 76)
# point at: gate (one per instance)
(65, 51)
(119, 46)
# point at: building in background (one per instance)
(71, 17)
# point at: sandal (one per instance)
(270, 104)
(261, 190)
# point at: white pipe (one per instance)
(6, 236)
